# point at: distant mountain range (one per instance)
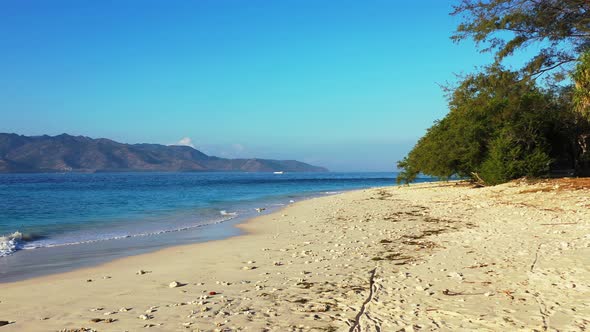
(66, 153)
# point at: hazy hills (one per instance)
(83, 154)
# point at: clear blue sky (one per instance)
(350, 85)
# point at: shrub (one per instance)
(500, 127)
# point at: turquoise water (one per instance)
(56, 210)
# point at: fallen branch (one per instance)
(536, 257)
(452, 293)
(477, 180)
(543, 312)
(356, 326)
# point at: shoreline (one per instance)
(239, 224)
(216, 231)
(242, 224)
(188, 213)
(222, 227)
(428, 256)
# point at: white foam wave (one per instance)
(225, 213)
(10, 243)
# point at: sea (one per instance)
(51, 223)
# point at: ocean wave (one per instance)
(225, 213)
(10, 243)
(277, 204)
(17, 241)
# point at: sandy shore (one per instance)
(420, 258)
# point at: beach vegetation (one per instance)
(559, 28)
(503, 124)
(581, 104)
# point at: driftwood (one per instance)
(356, 325)
(477, 180)
(452, 293)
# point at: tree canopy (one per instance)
(499, 127)
(581, 77)
(501, 124)
(560, 27)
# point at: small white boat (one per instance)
(279, 172)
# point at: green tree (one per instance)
(581, 105)
(581, 77)
(500, 127)
(560, 27)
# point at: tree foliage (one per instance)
(581, 100)
(560, 27)
(499, 127)
(501, 124)
(581, 77)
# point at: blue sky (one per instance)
(350, 85)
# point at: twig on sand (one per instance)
(452, 293)
(356, 326)
(508, 293)
(543, 312)
(536, 257)
(477, 180)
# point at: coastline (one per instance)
(239, 224)
(119, 248)
(216, 231)
(428, 256)
(123, 215)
